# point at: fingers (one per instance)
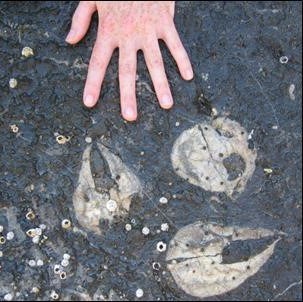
(99, 60)
(173, 42)
(127, 82)
(81, 21)
(155, 66)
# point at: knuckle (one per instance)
(126, 69)
(156, 63)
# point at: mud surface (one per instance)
(235, 49)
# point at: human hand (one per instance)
(130, 26)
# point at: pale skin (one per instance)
(130, 26)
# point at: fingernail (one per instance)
(129, 114)
(189, 74)
(166, 101)
(89, 100)
(71, 35)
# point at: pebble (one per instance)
(40, 262)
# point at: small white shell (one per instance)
(40, 262)
(27, 52)
(66, 256)
(163, 200)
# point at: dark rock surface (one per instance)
(235, 48)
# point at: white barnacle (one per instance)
(1, 228)
(145, 231)
(27, 52)
(57, 269)
(156, 266)
(13, 83)
(54, 295)
(139, 293)
(14, 128)
(66, 223)
(31, 233)
(163, 200)
(161, 246)
(2, 240)
(1, 254)
(66, 256)
(283, 60)
(88, 140)
(62, 275)
(111, 205)
(30, 215)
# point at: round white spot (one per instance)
(13, 83)
(163, 200)
(1, 254)
(139, 293)
(32, 263)
(10, 235)
(284, 60)
(111, 205)
(128, 227)
(64, 262)
(40, 262)
(88, 140)
(8, 297)
(57, 269)
(66, 256)
(42, 226)
(36, 239)
(145, 231)
(161, 246)
(164, 227)
(27, 51)
(1, 228)
(177, 124)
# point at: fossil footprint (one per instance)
(92, 206)
(195, 258)
(215, 156)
